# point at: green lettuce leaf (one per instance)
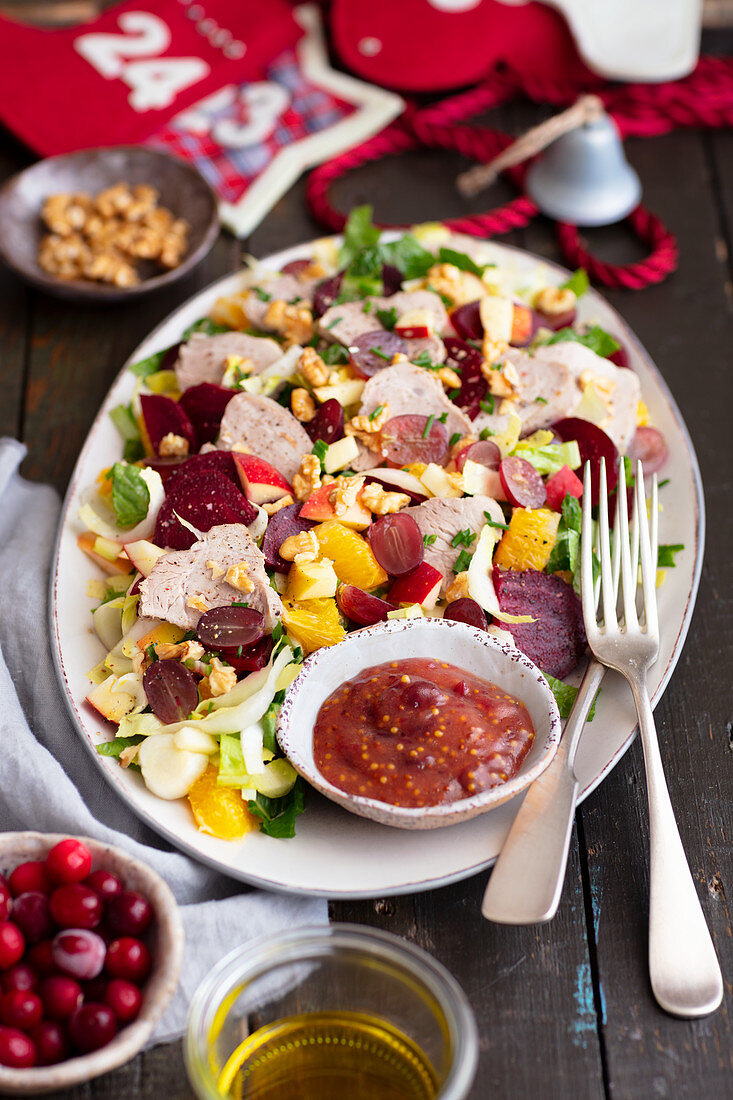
(277, 815)
(130, 495)
(461, 261)
(408, 256)
(578, 282)
(207, 326)
(565, 696)
(596, 338)
(666, 554)
(548, 460)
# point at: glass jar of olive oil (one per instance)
(330, 1013)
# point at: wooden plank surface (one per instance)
(564, 1009)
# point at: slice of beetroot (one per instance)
(163, 416)
(620, 357)
(166, 467)
(554, 321)
(281, 526)
(326, 294)
(218, 462)
(204, 500)
(594, 445)
(391, 279)
(466, 320)
(556, 640)
(466, 360)
(204, 405)
(296, 267)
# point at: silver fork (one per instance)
(683, 968)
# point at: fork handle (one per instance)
(527, 879)
(683, 967)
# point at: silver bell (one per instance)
(584, 177)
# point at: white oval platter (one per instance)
(336, 854)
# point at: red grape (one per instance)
(20, 976)
(50, 1041)
(29, 876)
(296, 267)
(328, 423)
(32, 915)
(326, 294)
(650, 446)
(230, 626)
(124, 999)
(484, 452)
(128, 958)
(12, 944)
(69, 861)
(593, 444)
(362, 607)
(521, 483)
(555, 321)
(92, 1026)
(407, 439)
(372, 351)
(20, 1008)
(103, 883)
(397, 543)
(129, 914)
(60, 995)
(79, 952)
(76, 906)
(16, 1049)
(466, 610)
(171, 690)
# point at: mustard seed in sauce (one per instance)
(436, 759)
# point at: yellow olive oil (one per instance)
(329, 1056)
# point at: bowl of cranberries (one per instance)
(90, 951)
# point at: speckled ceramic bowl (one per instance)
(470, 649)
(166, 949)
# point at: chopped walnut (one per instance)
(554, 300)
(141, 661)
(222, 678)
(303, 405)
(380, 502)
(108, 266)
(314, 270)
(492, 350)
(450, 378)
(179, 651)
(308, 477)
(65, 214)
(304, 543)
(236, 576)
(399, 357)
(276, 505)
(446, 279)
(172, 444)
(216, 570)
(502, 382)
(312, 368)
(344, 493)
(294, 322)
(113, 200)
(368, 425)
(198, 604)
(458, 588)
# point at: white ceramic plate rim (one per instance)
(302, 866)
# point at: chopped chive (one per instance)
(262, 294)
(387, 317)
(332, 324)
(381, 354)
(453, 394)
(488, 403)
(428, 426)
(240, 603)
(377, 411)
(463, 538)
(494, 523)
(367, 307)
(442, 418)
(462, 562)
(541, 400)
(428, 540)
(485, 433)
(319, 450)
(454, 439)
(661, 484)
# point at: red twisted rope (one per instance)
(705, 98)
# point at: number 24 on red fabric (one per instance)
(120, 78)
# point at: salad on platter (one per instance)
(391, 428)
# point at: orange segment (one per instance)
(219, 811)
(313, 623)
(529, 541)
(352, 556)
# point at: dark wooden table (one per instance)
(565, 1009)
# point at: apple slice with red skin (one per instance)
(422, 586)
(414, 325)
(143, 555)
(318, 507)
(261, 482)
(522, 326)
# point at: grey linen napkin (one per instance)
(48, 782)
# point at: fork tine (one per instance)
(648, 568)
(587, 587)
(621, 540)
(655, 522)
(608, 593)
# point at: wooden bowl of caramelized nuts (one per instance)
(106, 224)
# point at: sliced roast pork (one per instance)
(262, 427)
(183, 584)
(204, 358)
(444, 518)
(287, 288)
(343, 323)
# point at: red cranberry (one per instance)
(40, 957)
(29, 876)
(128, 958)
(32, 915)
(12, 944)
(76, 906)
(124, 999)
(104, 884)
(6, 900)
(79, 952)
(92, 1026)
(129, 913)
(60, 996)
(16, 1049)
(20, 976)
(21, 1009)
(50, 1041)
(69, 861)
